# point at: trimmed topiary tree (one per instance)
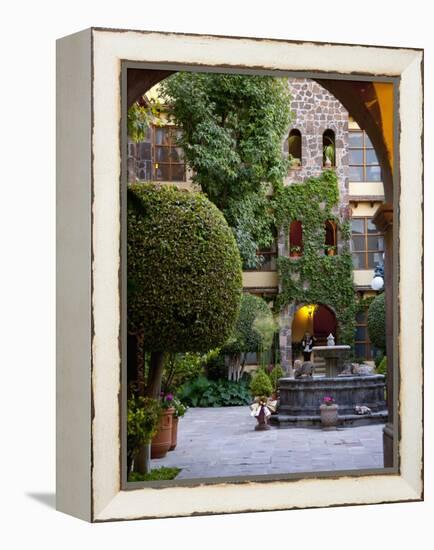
(260, 385)
(184, 274)
(377, 322)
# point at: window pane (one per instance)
(356, 173)
(374, 258)
(358, 225)
(355, 139)
(371, 157)
(162, 172)
(269, 263)
(360, 333)
(356, 156)
(162, 154)
(359, 260)
(177, 172)
(368, 142)
(357, 243)
(371, 226)
(161, 136)
(375, 243)
(373, 173)
(176, 154)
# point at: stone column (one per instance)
(383, 219)
(285, 339)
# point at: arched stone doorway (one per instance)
(317, 319)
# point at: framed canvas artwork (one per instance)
(239, 274)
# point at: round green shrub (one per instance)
(184, 270)
(260, 386)
(275, 374)
(377, 322)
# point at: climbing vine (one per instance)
(315, 277)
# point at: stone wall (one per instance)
(315, 110)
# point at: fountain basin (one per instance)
(300, 398)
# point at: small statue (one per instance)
(356, 369)
(303, 369)
(362, 409)
(330, 340)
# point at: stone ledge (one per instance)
(285, 420)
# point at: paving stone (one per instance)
(222, 442)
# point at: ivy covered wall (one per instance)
(314, 277)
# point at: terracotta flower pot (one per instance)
(329, 416)
(163, 438)
(175, 420)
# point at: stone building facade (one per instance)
(317, 114)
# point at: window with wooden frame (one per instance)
(269, 256)
(328, 148)
(363, 348)
(367, 244)
(330, 230)
(168, 158)
(295, 239)
(295, 148)
(363, 161)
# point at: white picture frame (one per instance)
(89, 297)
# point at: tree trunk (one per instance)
(156, 366)
(142, 460)
(243, 363)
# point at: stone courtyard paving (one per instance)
(220, 442)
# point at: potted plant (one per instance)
(295, 163)
(330, 250)
(295, 251)
(329, 154)
(143, 418)
(180, 410)
(329, 413)
(162, 440)
(261, 388)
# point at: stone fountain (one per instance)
(351, 388)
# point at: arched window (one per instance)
(294, 148)
(330, 238)
(328, 149)
(295, 239)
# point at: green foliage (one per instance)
(157, 474)
(260, 386)
(275, 374)
(180, 368)
(378, 358)
(215, 366)
(247, 337)
(180, 408)
(233, 127)
(377, 322)
(140, 117)
(315, 278)
(143, 416)
(208, 393)
(184, 270)
(382, 367)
